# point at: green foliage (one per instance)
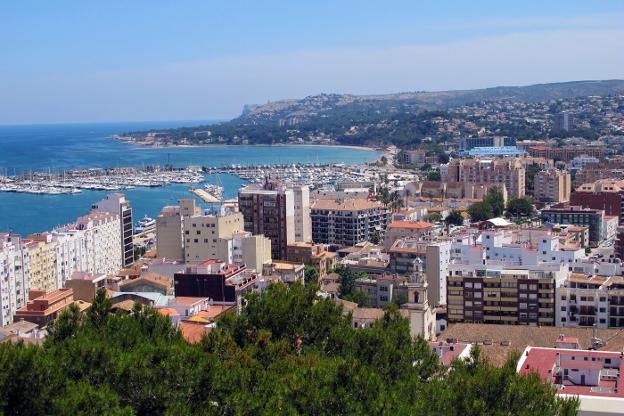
(433, 217)
(480, 211)
(520, 206)
(358, 297)
(454, 218)
(310, 275)
(493, 205)
(529, 175)
(288, 352)
(347, 279)
(434, 175)
(496, 200)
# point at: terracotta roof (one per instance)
(368, 313)
(414, 225)
(522, 336)
(167, 311)
(193, 332)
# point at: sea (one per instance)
(56, 147)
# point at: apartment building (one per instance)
(43, 307)
(303, 222)
(270, 210)
(117, 203)
(314, 255)
(497, 295)
(566, 153)
(348, 222)
(418, 230)
(408, 256)
(527, 247)
(71, 253)
(169, 238)
(552, 186)
(40, 262)
(103, 241)
(203, 235)
(13, 282)
(594, 219)
(588, 301)
(593, 377)
(467, 143)
(604, 194)
(412, 157)
(509, 172)
(221, 282)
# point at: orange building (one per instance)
(44, 307)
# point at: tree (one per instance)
(496, 201)
(358, 297)
(433, 217)
(100, 308)
(310, 275)
(443, 158)
(375, 237)
(530, 173)
(454, 218)
(287, 351)
(434, 175)
(347, 279)
(383, 160)
(520, 206)
(480, 211)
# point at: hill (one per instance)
(404, 119)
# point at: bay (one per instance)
(65, 146)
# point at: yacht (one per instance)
(145, 225)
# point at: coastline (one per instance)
(172, 146)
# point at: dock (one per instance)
(204, 196)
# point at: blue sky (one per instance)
(83, 61)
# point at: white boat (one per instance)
(145, 225)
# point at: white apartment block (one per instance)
(520, 248)
(303, 221)
(103, 242)
(13, 284)
(588, 301)
(71, 253)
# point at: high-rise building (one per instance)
(39, 253)
(203, 235)
(303, 222)
(118, 204)
(495, 295)
(13, 283)
(504, 171)
(270, 210)
(103, 241)
(348, 222)
(467, 143)
(563, 121)
(552, 186)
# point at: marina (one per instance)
(71, 182)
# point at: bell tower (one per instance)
(421, 316)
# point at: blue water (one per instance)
(65, 146)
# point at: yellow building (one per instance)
(39, 263)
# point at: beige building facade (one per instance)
(552, 186)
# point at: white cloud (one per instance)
(218, 88)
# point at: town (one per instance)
(505, 244)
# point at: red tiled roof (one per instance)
(418, 225)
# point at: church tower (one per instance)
(421, 316)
